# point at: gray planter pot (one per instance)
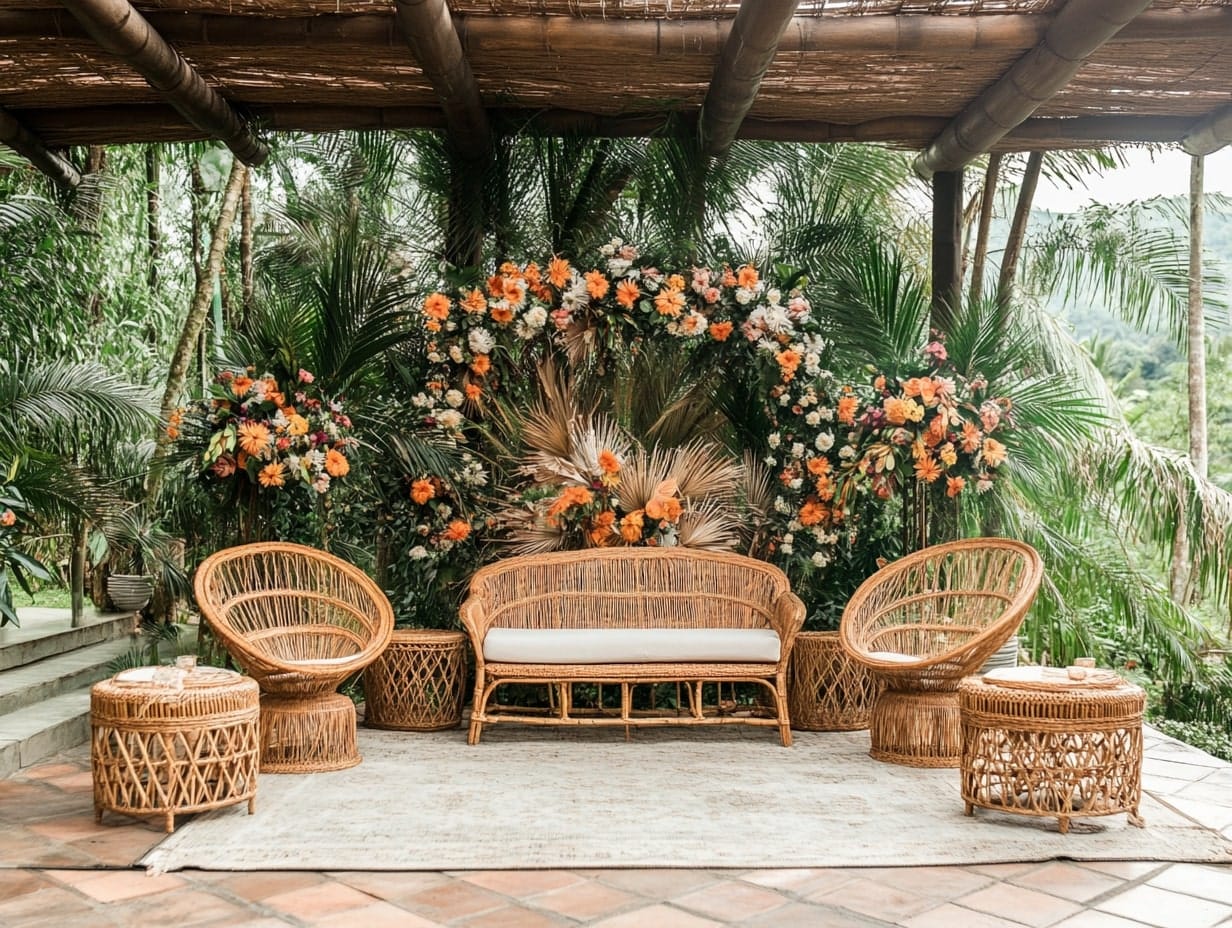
(130, 592)
(1005, 656)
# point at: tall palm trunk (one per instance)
(153, 236)
(1196, 337)
(194, 322)
(987, 202)
(1018, 228)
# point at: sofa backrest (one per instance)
(629, 588)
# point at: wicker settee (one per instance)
(630, 616)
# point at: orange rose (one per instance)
(608, 462)
(631, 527)
(8, 518)
(788, 361)
(719, 331)
(474, 302)
(747, 277)
(502, 315)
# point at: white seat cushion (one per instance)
(894, 657)
(630, 645)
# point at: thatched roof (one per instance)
(889, 70)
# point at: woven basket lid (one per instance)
(1053, 678)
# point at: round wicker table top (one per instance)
(166, 693)
(1065, 701)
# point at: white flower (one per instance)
(785, 399)
(435, 357)
(744, 297)
(455, 354)
(616, 267)
(820, 558)
(813, 418)
(812, 363)
(786, 548)
(782, 506)
(788, 538)
(420, 400)
(481, 341)
(847, 452)
(454, 398)
(824, 442)
(797, 450)
(826, 412)
(769, 461)
(773, 296)
(795, 483)
(321, 484)
(774, 440)
(451, 326)
(417, 553)
(449, 419)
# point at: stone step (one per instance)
(46, 728)
(24, 686)
(44, 633)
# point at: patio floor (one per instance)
(64, 870)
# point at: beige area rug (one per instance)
(714, 798)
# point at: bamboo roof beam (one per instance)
(746, 56)
(429, 30)
(122, 31)
(1209, 134)
(1077, 31)
(31, 147)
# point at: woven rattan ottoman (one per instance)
(158, 748)
(418, 682)
(1037, 741)
(826, 690)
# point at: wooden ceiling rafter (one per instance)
(32, 148)
(746, 56)
(122, 31)
(1075, 33)
(428, 28)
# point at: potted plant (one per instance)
(141, 551)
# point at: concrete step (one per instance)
(24, 686)
(46, 728)
(45, 633)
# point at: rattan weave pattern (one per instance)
(827, 691)
(164, 751)
(418, 683)
(948, 607)
(1068, 752)
(632, 588)
(299, 621)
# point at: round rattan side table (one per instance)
(171, 744)
(1039, 742)
(825, 690)
(417, 683)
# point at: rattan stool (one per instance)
(1036, 742)
(826, 690)
(160, 750)
(417, 684)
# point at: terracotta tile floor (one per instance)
(58, 869)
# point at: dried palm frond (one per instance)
(593, 434)
(547, 424)
(703, 471)
(710, 526)
(528, 532)
(642, 473)
(755, 491)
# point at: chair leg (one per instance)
(477, 710)
(780, 699)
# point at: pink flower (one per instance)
(306, 376)
(8, 517)
(711, 295)
(936, 351)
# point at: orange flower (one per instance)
(481, 365)
(336, 464)
(558, 272)
(602, 526)
(627, 293)
(254, 438)
(502, 315)
(241, 385)
(895, 410)
(663, 503)
(513, 293)
(788, 361)
(747, 277)
(297, 424)
(569, 497)
(812, 513)
(608, 462)
(474, 302)
(8, 517)
(631, 527)
(719, 331)
(532, 275)
(436, 306)
(935, 433)
(879, 383)
(422, 490)
(474, 392)
(846, 412)
(954, 486)
(596, 284)
(693, 324)
(927, 469)
(949, 457)
(432, 325)
(457, 530)
(669, 302)
(172, 432)
(272, 475)
(818, 466)
(971, 438)
(911, 386)
(994, 452)
(496, 287)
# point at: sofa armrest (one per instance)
(787, 619)
(475, 621)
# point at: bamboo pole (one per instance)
(17, 137)
(1209, 134)
(429, 31)
(122, 31)
(1075, 33)
(747, 54)
(946, 248)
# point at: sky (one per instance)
(1150, 173)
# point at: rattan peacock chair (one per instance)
(299, 621)
(923, 623)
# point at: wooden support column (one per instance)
(750, 48)
(1076, 32)
(947, 248)
(429, 31)
(30, 146)
(1209, 134)
(122, 31)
